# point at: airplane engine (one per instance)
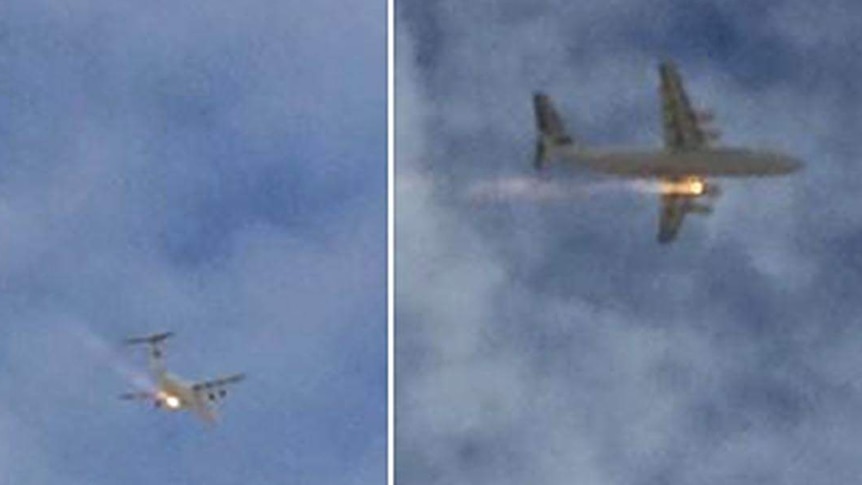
(712, 134)
(701, 209)
(705, 115)
(705, 119)
(711, 190)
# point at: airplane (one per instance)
(682, 167)
(173, 393)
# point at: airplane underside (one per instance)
(681, 168)
(660, 164)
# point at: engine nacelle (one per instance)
(711, 190)
(712, 134)
(701, 209)
(704, 115)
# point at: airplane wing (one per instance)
(682, 126)
(214, 389)
(672, 214)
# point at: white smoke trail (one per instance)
(535, 189)
(106, 353)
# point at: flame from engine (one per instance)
(170, 401)
(693, 186)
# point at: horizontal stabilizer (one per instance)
(151, 339)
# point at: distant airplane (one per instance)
(174, 394)
(681, 167)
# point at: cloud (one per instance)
(557, 342)
(212, 169)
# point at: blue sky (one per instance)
(212, 168)
(554, 341)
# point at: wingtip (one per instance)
(540, 97)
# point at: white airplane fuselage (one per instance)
(175, 394)
(716, 162)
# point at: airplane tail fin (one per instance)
(552, 133)
(155, 343)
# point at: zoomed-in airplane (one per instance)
(681, 168)
(174, 394)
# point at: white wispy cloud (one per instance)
(210, 168)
